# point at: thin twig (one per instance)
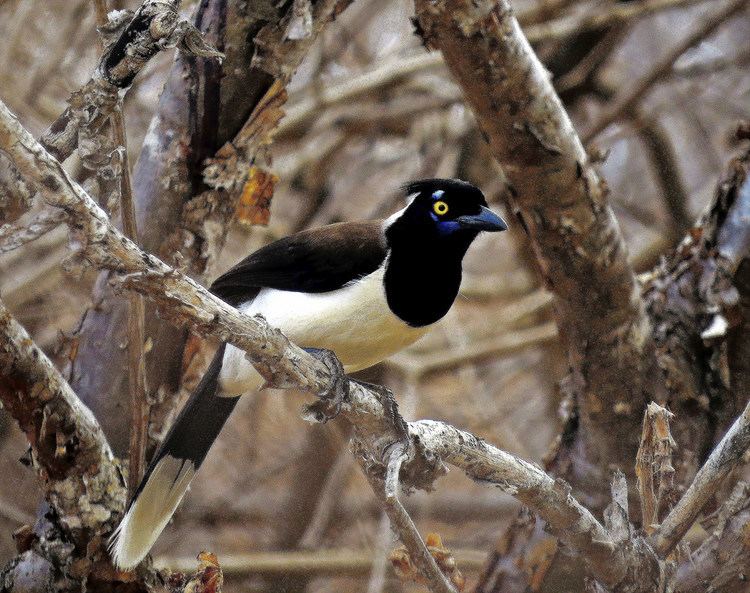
(387, 491)
(139, 408)
(504, 344)
(633, 93)
(13, 236)
(606, 15)
(722, 559)
(666, 170)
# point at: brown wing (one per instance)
(318, 260)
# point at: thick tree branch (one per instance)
(69, 451)
(560, 200)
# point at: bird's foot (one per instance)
(330, 402)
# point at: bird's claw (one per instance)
(331, 400)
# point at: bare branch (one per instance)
(635, 91)
(561, 201)
(666, 171)
(727, 455)
(155, 26)
(503, 344)
(386, 489)
(139, 408)
(13, 236)
(604, 16)
(337, 562)
(69, 451)
(721, 561)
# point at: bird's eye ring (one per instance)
(440, 208)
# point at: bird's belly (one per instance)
(355, 322)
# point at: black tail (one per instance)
(172, 468)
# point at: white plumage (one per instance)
(353, 321)
(151, 511)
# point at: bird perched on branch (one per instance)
(363, 290)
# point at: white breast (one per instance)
(353, 321)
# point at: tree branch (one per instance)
(69, 451)
(721, 561)
(561, 201)
(139, 408)
(155, 26)
(634, 92)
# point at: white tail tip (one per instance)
(150, 512)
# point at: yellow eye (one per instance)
(440, 207)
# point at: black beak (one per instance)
(486, 220)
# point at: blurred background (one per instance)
(369, 110)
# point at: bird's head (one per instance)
(444, 209)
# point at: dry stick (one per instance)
(505, 344)
(629, 98)
(723, 557)
(139, 408)
(155, 26)
(607, 15)
(663, 159)
(377, 579)
(387, 491)
(334, 562)
(725, 457)
(373, 415)
(12, 236)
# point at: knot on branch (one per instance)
(117, 20)
(422, 467)
(419, 467)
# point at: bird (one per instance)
(363, 290)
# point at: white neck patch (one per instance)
(396, 215)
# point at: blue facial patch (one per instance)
(436, 195)
(446, 227)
